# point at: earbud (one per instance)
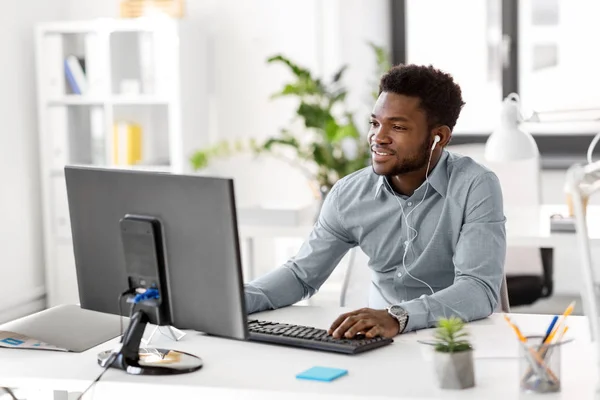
(436, 139)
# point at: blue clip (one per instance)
(147, 295)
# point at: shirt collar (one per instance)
(438, 178)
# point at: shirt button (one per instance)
(399, 274)
(409, 203)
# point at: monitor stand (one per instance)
(147, 361)
(171, 333)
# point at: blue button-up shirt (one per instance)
(456, 249)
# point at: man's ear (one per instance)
(444, 132)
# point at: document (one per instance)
(15, 340)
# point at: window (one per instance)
(559, 63)
(463, 38)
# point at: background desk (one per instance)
(241, 370)
(525, 228)
(522, 228)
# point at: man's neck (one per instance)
(406, 184)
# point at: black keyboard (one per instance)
(310, 338)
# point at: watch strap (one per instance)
(401, 317)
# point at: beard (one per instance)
(413, 162)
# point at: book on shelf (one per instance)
(127, 143)
(75, 75)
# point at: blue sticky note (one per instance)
(322, 374)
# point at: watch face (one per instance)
(396, 310)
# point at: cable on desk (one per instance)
(151, 293)
(9, 392)
(109, 364)
(125, 293)
(115, 354)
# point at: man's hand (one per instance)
(366, 320)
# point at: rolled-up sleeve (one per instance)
(478, 262)
(303, 275)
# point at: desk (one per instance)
(242, 370)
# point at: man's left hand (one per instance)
(366, 320)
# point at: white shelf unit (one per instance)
(167, 58)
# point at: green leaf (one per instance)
(338, 75)
(303, 87)
(332, 130)
(290, 142)
(450, 336)
(346, 131)
(199, 160)
(338, 96)
(382, 58)
(296, 69)
(314, 116)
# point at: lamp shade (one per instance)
(509, 141)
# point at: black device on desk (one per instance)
(197, 252)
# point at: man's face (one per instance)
(399, 135)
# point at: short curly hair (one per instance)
(441, 97)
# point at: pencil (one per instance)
(531, 351)
(567, 312)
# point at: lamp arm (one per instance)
(584, 181)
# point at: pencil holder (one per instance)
(539, 365)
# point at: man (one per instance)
(430, 221)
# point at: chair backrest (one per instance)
(504, 302)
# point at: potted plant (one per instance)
(327, 145)
(453, 356)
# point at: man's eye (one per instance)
(373, 123)
(399, 128)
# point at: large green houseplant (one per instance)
(328, 145)
(453, 355)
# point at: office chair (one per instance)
(527, 289)
(504, 300)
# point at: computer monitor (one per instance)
(197, 269)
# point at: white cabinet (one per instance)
(95, 76)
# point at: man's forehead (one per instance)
(394, 106)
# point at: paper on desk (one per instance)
(487, 346)
(17, 341)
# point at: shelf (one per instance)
(107, 25)
(79, 100)
(76, 100)
(138, 100)
(150, 168)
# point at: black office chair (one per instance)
(527, 289)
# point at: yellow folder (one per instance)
(127, 143)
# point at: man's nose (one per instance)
(380, 137)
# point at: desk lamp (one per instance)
(509, 142)
(512, 153)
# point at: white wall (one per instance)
(21, 269)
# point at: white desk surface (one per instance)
(242, 370)
(521, 228)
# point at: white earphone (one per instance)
(409, 228)
(436, 139)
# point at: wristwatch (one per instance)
(400, 315)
